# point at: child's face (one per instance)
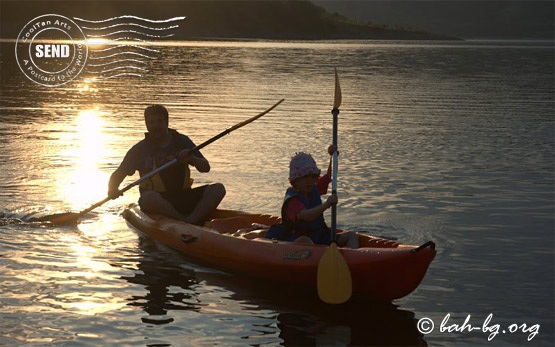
(304, 184)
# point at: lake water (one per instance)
(445, 141)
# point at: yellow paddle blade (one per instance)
(337, 93)
(64, 218)
(334, 277)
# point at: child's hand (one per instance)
(332, 149)
(332, 200)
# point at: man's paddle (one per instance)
(70, 218)
(334, 277)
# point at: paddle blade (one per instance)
(66, 218)
(334, 277)
(337, 94)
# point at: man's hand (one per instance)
(114, 193)
(186, 156)
(113, 184)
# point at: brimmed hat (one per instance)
(302, 164)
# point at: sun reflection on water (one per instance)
(96, 42)
(91, 300)
(87, 86)
(84, 267)
(86, 150)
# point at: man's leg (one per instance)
(153, 202)
(211, 198)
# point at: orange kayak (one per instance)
(380, 269)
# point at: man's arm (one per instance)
(200, 163)
(113, 184)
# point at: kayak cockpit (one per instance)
(252, 226)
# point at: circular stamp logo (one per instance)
(51, 50)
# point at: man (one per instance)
(169, 192)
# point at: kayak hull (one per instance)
(380, 270)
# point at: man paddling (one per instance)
(169, 192)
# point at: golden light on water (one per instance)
(92, 301)
(86, 147)
(87, 86)
(74, 265)
(97, 41)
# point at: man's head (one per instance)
(156, 110)
(156, 120)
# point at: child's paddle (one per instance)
(334, 277)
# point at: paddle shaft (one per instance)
(337, 98)
(172, 162)
(335, 164)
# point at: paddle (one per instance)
(334, 277)
(70, 218)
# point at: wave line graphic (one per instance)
(124, 46)
(119, 68)
(125, 43)
(131, 17)
(132, 32)
(128, 60)
(122, 53)
(133, 39)
(119, 75)
(130, 24)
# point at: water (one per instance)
(451, 142)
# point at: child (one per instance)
(302, 210)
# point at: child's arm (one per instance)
(309, 214)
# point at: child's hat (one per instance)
(302, 164)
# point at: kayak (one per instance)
(380, 269)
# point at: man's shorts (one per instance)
(185, 200)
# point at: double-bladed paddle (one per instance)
(334, 276)
(70, 218)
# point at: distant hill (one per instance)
(284, 19)
(468, 19)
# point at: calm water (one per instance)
(451, 142)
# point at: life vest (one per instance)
(287, 230)
(174, 178)
(302, 227)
